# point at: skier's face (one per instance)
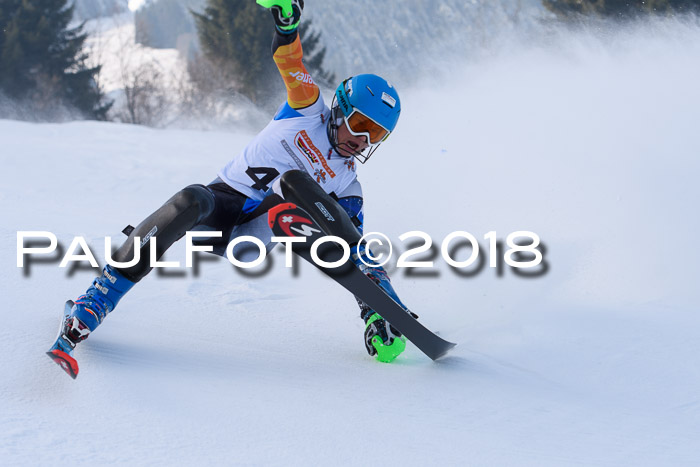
(349, 144)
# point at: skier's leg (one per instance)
(168, 224)
(336, 218)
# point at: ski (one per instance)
(61, 350)
(289, 220)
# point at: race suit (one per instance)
(234, 202)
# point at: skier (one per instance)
(305, 134)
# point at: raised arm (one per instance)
(302, 92)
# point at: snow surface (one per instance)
(589, 142)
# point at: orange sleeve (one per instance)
(301, 89)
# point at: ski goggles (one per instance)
(360, 124)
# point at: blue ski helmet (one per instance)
(369, 106)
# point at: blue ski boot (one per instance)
(363, 260)
(85, 314)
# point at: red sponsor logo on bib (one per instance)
(307, 148)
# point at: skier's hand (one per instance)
(286, 13)
(382, 339)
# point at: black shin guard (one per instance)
(168, 224)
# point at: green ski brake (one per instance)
(386, 353)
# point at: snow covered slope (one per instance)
(407, 39)
(594, 363)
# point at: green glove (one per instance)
(286, 13)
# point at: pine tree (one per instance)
(314, 54)
(42, 60)
(236, 35)
(619, 8)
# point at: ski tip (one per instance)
(65, 361)
(442, 352)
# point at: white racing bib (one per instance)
(287, 144)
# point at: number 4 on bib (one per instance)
(261, 183)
